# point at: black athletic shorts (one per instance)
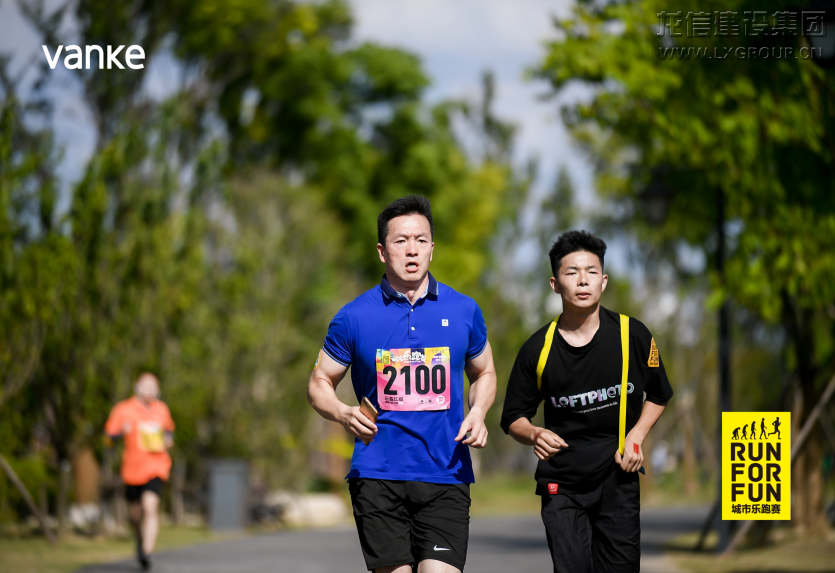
(597, 530)
(406, 522)
(133, 493)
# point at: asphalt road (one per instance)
(497, 545)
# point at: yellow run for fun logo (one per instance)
(756, 465)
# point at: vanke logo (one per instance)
(77, 59)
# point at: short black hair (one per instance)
(572, 242)
(404, 206)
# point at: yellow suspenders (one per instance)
(546, 349)
(624, 374)
(624, 348)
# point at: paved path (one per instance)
(497, 545)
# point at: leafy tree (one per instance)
(30, 265)
(215, 231)
(750, 136)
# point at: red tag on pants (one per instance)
(552, 488)
(636, 449)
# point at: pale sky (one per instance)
(460, 39)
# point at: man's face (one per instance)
(147, 387)
(580, 280)
(408, 248)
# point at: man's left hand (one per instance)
(633, 455)
(474, 424)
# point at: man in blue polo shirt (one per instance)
(410, 340)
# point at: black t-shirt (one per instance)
(581, 391)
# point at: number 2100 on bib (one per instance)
(413, 379)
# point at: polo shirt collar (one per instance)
(388, 290)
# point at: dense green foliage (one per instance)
(217, 228)
(216, 231)
(676, 140)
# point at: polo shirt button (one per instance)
(413, 328)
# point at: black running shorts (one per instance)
(406, 522)
(133, 493)
(598, 530)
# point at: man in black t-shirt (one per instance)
(590, 493)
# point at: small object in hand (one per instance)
(636, 449)
(368, 410)
(642, 470)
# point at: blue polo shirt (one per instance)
(410, 445)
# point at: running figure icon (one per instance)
(776, 424)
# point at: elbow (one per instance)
(311, 393)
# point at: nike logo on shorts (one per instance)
(441, 548)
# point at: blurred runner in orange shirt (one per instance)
(145, 425)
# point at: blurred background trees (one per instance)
(218, 228)
(229, 211)
(685, 145)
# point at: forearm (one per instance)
(481, 372)
(322, 396)
(649, 416)
(483, 392)
(546, 444)
(523, 431)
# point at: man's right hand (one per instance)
(546, 444)
(357, 424)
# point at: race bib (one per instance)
(413, 379)
(151, 437)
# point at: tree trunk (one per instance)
(648, 485)
(43, 499)
(106, 489)
(177, 484)
(689, 458)
(63, 492)
(807, 477)
(86, 476)
(24, 493)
